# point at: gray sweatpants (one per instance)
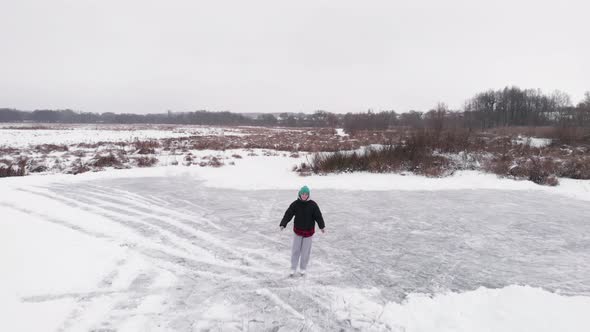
(301, 249)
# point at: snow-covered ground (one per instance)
(188, 249)
(340, 132)
(534, 142)
(10, 136)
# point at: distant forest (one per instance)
(510, 106)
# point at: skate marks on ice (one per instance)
(212, 271)
(214, 258)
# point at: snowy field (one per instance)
(13, 135)
(194, 249)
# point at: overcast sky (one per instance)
(276, 56)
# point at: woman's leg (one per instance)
(296, 251)
(305, 251)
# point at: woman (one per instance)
(306, 213)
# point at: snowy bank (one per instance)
(512, 308)
(259, 172)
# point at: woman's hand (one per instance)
(282, 227)
(323, 230)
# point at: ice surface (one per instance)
(197, 257)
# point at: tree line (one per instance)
(510, 106)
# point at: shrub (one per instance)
(146, 161)
(215, 162)
(38, 169)
(539, 170)
(303, 169)
(9, 168)
(146, 147)
(576, 167)
(551, 181)
(211, 161)
(78, 167)
(412, 156)
(109, 160)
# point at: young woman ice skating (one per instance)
(307, 213)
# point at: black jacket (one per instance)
(306, 213)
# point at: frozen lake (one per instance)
(215, 259)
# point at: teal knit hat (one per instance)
(303, 190)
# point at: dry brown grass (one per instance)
(114, 159)
(385, 160)
(547, 132)
(540, 165)
(428, 152)
(569, 135)
(419, 151)
(414, 152)
(29, 127)
(293, 141)
(7, 151)
(48, 148)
